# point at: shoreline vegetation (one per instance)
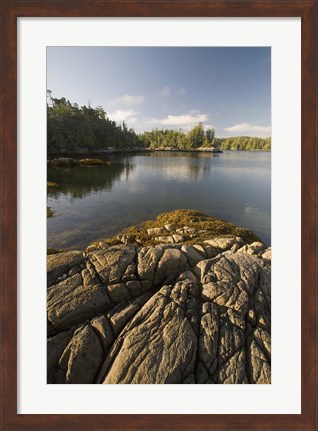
(184, 298)
(85, 130)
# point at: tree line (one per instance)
(72, 128)
(246, 143)
(199, 137)
(177, 139)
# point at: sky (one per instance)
(169, 87)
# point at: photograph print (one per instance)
(158, 215)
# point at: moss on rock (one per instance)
(64, 162)
(190, 225)
(91, 162)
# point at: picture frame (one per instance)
(11, 10)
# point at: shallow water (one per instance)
(92, 203)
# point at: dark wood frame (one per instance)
(11, 9)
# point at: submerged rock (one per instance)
(169, 313)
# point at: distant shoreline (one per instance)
(143, 150)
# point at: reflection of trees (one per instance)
(196, 171)
(183, 154)
(80, 182)
(182, 166)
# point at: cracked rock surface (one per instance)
(167, 313)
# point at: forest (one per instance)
(72, 128)
(244, 143)
(197, 137)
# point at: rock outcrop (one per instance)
(164, 313)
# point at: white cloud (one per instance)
(165, 91)
(243, 128)
(120, 115)
(186, 121)
(133, 118)
(126, 100)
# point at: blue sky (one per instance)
(170, 87)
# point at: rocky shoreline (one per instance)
(181, 299)
(66, 161)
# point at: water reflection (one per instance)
(179, 166)
(96, 202)
(77, 183)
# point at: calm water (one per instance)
(92, 203)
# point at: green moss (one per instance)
(91, 162)
(206, 227)
(64, 162)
